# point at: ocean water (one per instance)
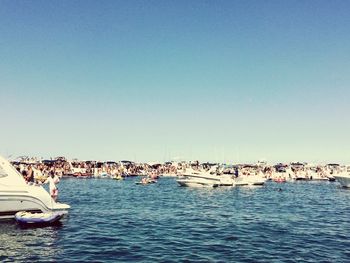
(118, 221)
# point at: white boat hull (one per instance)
(192, 183)
(344, 180)
(30, 198)
(203, 179)
(249, 180)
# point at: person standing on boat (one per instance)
(236, 172)
(30, 175)
(52, 180)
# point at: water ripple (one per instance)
(120, 221)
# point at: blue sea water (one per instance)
(118, 221)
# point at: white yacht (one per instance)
(16, 195)
(344, 177)
(194, 178)
(249, 180)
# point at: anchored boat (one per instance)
(197, 178)
(344, 177)
(16, 195)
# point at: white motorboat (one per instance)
(249, 180)
(16, 195)
(195, 182)
(344, 177)
(194, 178)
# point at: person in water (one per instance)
(52, 180)
(144, 180)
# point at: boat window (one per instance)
(2, 172)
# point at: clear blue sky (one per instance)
(232, 81)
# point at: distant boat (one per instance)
(249, 180)
(344, 177)
(194, 178)
(279, 180)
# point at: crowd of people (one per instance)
(39, 170)
(34, 170)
